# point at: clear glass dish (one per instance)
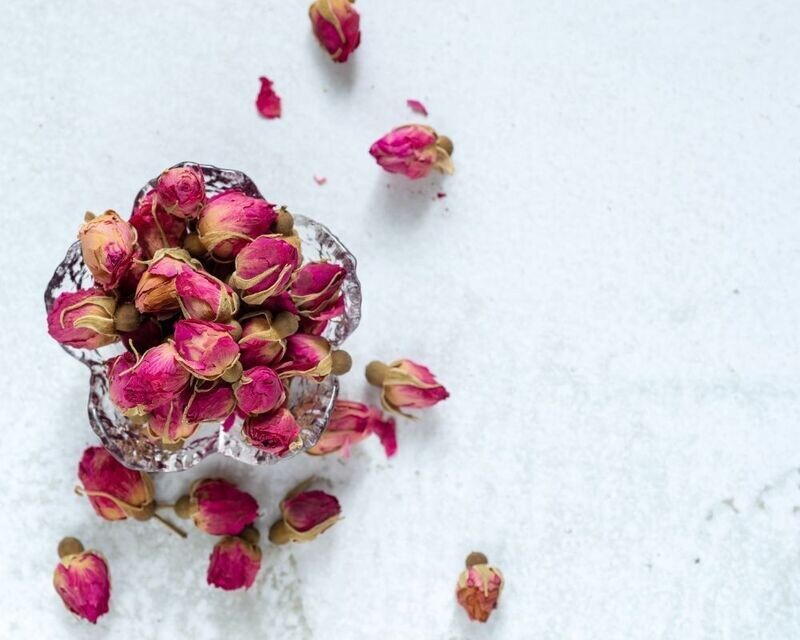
(311, 402)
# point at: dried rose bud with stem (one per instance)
(81, 579)
(305, 514)
(405, 384)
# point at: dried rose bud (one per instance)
(305, 515)
(218, 507)
(81, 580)
(204, 297)
(149, 383)
(156, 292)
(168, 423)
(114, 491)
(181, 191)
(413, 150)
(262, 342)
(306, 355)
(234, 563)
(336, 25)
(206, 349)
(259, 390)
(479, 588)
(107, 246)
(264, 267)
(405, 385)
(155, 228)
(316, 290)
(349, 424)
(83, 319)
(276, 432)
(231, 220)
(211, 403)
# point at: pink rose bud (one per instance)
(206, 349)
(168, 423)
(336, 25)
(479, 588)
(305, 515)
(107, 245)
(155, 228)
(234, 562)
(276, 432)
(204, 297)
(316, 290)
(306, 355)
(259, 391)
(350, 423)
(262, 342)
(181, 191)
(81, 580)
(211, 403)
(153, 381)
(218, 507)
(264, 267)
(83, 319)
(413, 150)
(156, 292)
(405, 385)
(114, 491)
(119, 379)
(231, 220)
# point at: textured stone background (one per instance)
(609, 289)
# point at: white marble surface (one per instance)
(609, 290)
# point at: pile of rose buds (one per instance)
(216, 310)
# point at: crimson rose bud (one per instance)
(81, 580)
(181, 191)
(336, 26)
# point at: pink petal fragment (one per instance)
(268, 102)
(320, 180)
(417, 107)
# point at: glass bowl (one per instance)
(311, 402)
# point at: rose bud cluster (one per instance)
(405, 385)
(212, 306)
(336, 26)
(413, 150)
(352, 422)
(305, 515)
(479, 587)
(81, 580)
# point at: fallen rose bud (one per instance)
(413, 150)
(156, 291)
(276, 433)
(263, 338)
(218, 507)
(203, 297)
(181, 191)
(235, 561)
(169, 423)
(479, 587)
(305, 515)
(405, 385)
(155, 228)
(264, 267)
(317, 289)
(114, 491)
(211, 403)
(83, 319)
(81, 580)
(231, 220)
(206, 349)
(107, 245)
(352, 422)
(259, 390)
(336, 26)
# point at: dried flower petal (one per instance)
(268, 102)
(231, 220)
(83, 319)
(417, 107)
(321, 180)
(107, 246)
(83, 583)
(234, 564)
(114, 491)
(336, 26)
(478, 590)
(181, 191)
(413, 150)
(221, 508)
(405, 384)
(276, 432)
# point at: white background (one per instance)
(609, 290)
